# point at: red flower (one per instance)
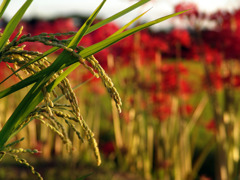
(193, 10)
(107, 148)
(212, 56)
(185, 88)
(211, 126)
(42, 27)
(162, 112)
(186, 109)
(180, 36)
(236, 81)
(63, 25)
(215, 80)
(3, 68)
(161, 105)
(160, 44)
(170, 78)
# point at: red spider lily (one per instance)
(236, 17)
(104, 32)
(86, 41)
(217, 16)
(211, 126)
(162, 112)
(185, 89)
(159, 98)
(3, 68)
(124, 50)
(186, 109)
(160, 44)
(236, 81)
(170, 82)
(161, 105)
(192, 53)
(170, 77)
(107, 148)
(63, 25)
(150, 44)
(42, 26)
(180, 36)
(193, 10)
(227, 80)
(222, 18)
(212, 56)
(215, 80)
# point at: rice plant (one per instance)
(48, 80)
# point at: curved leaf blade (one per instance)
(13, 23)
(3, 6)
(82, 31)
(111, 40)
(91, 29)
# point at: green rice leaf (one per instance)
(35, 96)
(84, 53)
(59, 63)
(3, 6)
(13, 23)
(76, 39)
(91, 29)
(128, 24)
(119, 14)
(111, 40)
(27, 105)
(51, 86)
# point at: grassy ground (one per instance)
(56, 169)
(63, 170)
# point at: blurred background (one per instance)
(179, 82)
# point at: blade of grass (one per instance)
(3, 6)
(128, 24)
(84, 53)
(51, 86)
(61, 61)
(109, 41)
(74, 88)
(91, 29)
(77, 38)
(119, 14)
(35, 96)
(27, 105)
(13, 23)
(74, 66)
